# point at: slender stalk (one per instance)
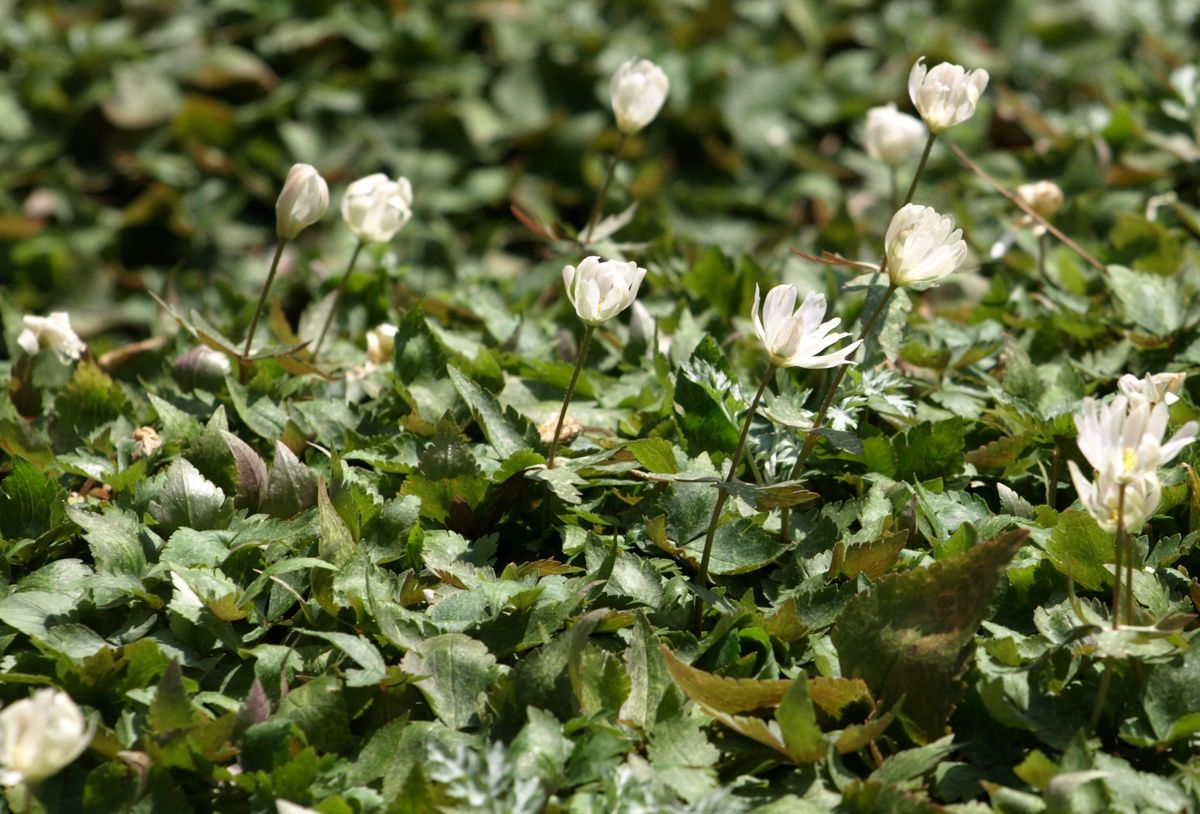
(893, 187)
(262, 298)
(1101, 693)
(598, 206)
(810, 440)
(562, 414)
(1128, 575)
(1055, 470)
(723, 494)
(912, 188)
(1041, 257)
(337, 297)
(1118, 553)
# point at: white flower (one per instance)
(1155, 388)
(1124, 444)
(922, 247)
(52, 332)
(376, 207)
(40, 736)
(639, 88)
(285, 807)
(891, 136)
(381, 341)
(946, 94)
(796, 339)
(1102, 498)
(303, 201)
(601, 289)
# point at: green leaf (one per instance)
(114, 538)
(30, 503)
(365, 655)
(318, 709)
(419, 364)
(704, 406)
(189, 500)
(797, 719)
(457, 670)
(506, 430)
(171, 709)
(648, 676)
(930, 450)
(655, 454)
(1172, 697)
(1080, 549)
(908, 636)
(89, 401)
(291, 486)
(251, 473)
(1152, 303)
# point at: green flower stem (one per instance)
(1101, 693)
(810, 440)
(1041, 256)
(598, 207)
(912, 188)
(1118, 553)
(562, 414)
(337, 297)
(262, 299)
(723, 494)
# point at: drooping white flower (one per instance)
(601, 289)
(52, 332)
(1102, 498)
(795, 337)
(891, 136)
(639, 89)
(40, 736)
(302, 202)
(381, 341)
(922, 247)
(376, 207)
(1122, 443)
(946, 94)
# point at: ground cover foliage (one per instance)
(349, 583)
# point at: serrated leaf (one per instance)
(251, 473)
(457, 670)
(372, 668)
(909, 635)
(507, 431)
(189, 500)
(30, 503)
(291, 486)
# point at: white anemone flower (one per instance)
(601, 289)
(946, 94)
(1102, 498)
(795, 337)
(922, 247)
(639, 89)
(40, 736)
(1123, 443)
(1153, 389)
(52, 332)
(376, 207)
(891, 136)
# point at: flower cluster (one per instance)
(1123, 441)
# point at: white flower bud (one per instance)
(1043, 197)
(796, 338)
(52, 332)
(303, 201)
(946, 94)
(375, 207)
(891, 136)
(40, 736)
(922, 247)
(639, 88)
(601, 289)
(381, 341)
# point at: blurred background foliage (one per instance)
(142, 143)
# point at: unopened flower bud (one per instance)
(639, 89)
(303, 201)
(376, 207)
